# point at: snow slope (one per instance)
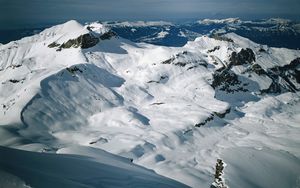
(96, 169)
(173, 110)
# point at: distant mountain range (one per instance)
(274, 32)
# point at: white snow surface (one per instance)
(162, 34)
(280, 21)
(138, 23)
(120, 97)
(219, 21)
(98, 169)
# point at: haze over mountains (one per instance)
(171, 98)
(275, 32)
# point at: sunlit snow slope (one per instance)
(173, 110)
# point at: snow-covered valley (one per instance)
(79, 90)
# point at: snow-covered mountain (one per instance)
(220, 21)
(275, 32)
(175, 110)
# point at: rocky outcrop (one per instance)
(162, 79)
(183, 59)
(53, 45)
(173, 59)
(227, 81)
(108, 35)
(214, 49)
(245, 56)
(222, 114)
(273, 88)
(291, 70)
(258, 69)
(73, 70)
(221, 38)
(285, 78)
(83, 41)
(219, 181)
(14, 81)
(210, 118)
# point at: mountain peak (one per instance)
(73, 34)
(72, 24)
(66, 31)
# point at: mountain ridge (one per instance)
(173, 109)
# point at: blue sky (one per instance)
(27, 13)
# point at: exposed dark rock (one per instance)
(219, 169)
(74, 69)
(219, 181)
(227, 81)
(224, 77)
(210, 118)
(188, 132)
(284, 79)
(258, 69)
(297, 75)
(182, 64)
(14, 81)
(162, 78)
(214, 49)
(184, 52)
(153, 81)
(245, 56)
(293, 65)
(274, 88)
(15, 66)
(158, 103)
(168, 61)
(290, 74)
(262, 50)
(201, 63)
(108, 35)
(83, 41)
(192, 67)
(172, 59)
(222, 115)
(291, 70)
(221, 38)
(100, 140)
(93, 142)
(53, 45)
